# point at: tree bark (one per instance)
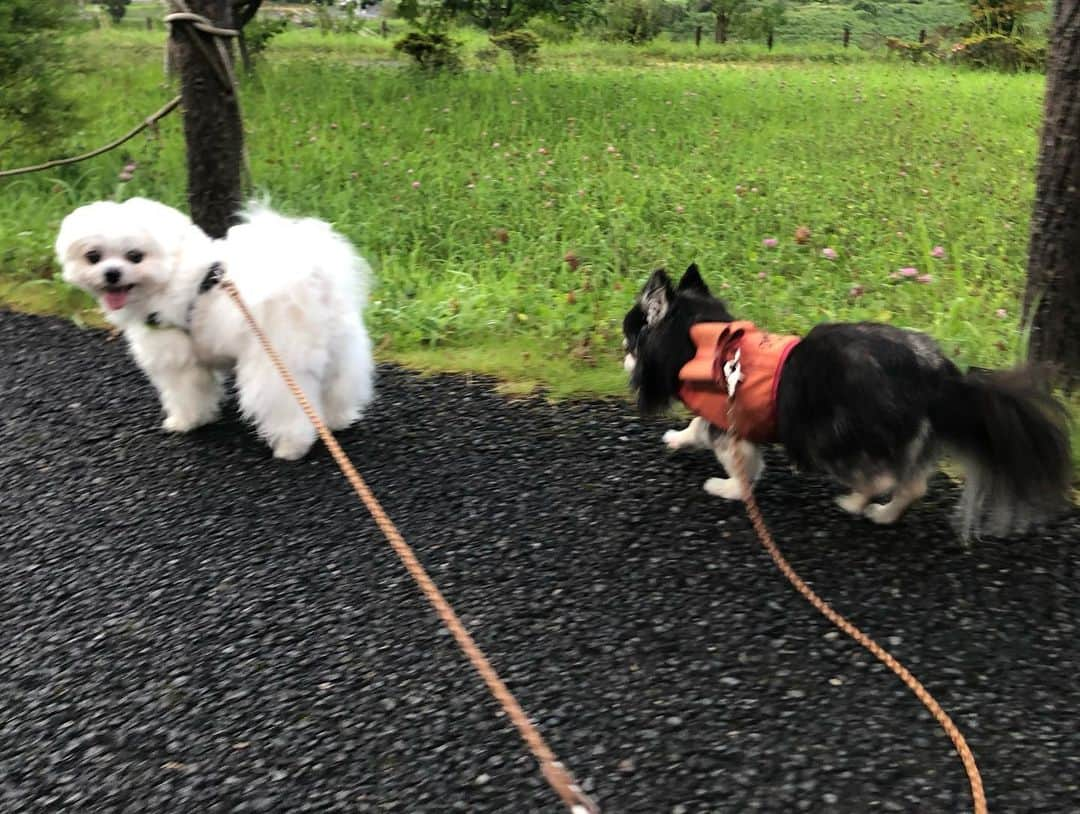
(212, 126)
(245, 57)
(721, 27)
(1052, 297)
(243, 13)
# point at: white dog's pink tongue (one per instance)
(114, 300)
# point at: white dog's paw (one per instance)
(727, 488)
(853, 503)
(175, 423)
(341, 421)
(292, 449)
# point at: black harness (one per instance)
(212, 278)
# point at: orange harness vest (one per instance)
(761, 356)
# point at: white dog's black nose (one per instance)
(112, 276)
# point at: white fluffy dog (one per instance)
(153, 272)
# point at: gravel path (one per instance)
(190, 626)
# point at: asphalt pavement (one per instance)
(187, 625)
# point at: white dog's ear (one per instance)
(64, 239)
(656, 297)
(73, 227)
(73, 230)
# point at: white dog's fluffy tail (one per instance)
(275, 247)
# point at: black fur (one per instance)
(1014, 439)
(854, 397)
(664, 346)
(869, 403)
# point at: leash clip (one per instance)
(733, 373)
(214, 275)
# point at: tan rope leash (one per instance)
(978, 795)
(557, 776)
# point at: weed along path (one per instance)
(190, 626)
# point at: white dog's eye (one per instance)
(93, 256)
(134, 256)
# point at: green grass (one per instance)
(468, 192)
(824, 22)
(642, 166)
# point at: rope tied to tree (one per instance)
(202, 23)
(149, 122)
(192, 24)
(222, 66)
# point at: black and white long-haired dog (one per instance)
(874, 407)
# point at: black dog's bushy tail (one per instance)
(1012, 437)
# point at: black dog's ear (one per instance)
(656, 297)
(691, 280)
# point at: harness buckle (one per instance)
(733, 373)
(212, 278)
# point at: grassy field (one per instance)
(824, 22)
(511, 218)
(805, 23)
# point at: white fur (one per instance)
(730, 487)
(696, 435)
(903, 496)
(304, 283)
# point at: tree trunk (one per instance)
(1052, 298)
(245, 56)
(212, 125)
(721, 27)
(244, 13)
